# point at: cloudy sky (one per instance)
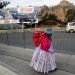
(15, 3)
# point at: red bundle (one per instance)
(37, 37)
(46, 43)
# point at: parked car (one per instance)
(70, 27)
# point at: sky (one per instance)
(15, 3)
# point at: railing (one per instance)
(17, 37)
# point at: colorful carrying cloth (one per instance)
(46, 43)
(37, 37)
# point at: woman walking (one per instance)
(43, 59)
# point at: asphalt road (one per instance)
(62, 42)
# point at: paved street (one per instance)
(63, 42)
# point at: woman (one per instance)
(43, 58)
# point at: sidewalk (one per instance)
(5, 71)
(17, 60)
(27, 70)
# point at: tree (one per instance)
(52, 16)
(4, 4)
(70, 15)
(44, 12)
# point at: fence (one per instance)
(17, 37)
(62, 42)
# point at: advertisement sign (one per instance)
(25, 10)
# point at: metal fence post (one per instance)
(7, 38)
(24, 38)
(23, 34)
